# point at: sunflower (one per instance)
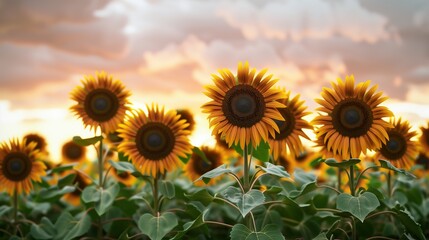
(187, 115)
(353, 121)
(112, 139)
(305, 159)
(40, 141)
(400, 150)
(197, 166)
(291, 128)
(154, 141)
(19, 166)
(424, 139)
(243, 107)
(81, 182)
(423, 161)
(287, 163)
(73, 153)
(101, 101)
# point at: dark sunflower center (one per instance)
(114, 137)
(101, 105)
(37, 140)
(81, 184)
(243, 105)
(352, 117)
(155, 141)
(285, 163)
(73, 151)
(301, 157)
(423, 160)
(202, 166)
(395, 148)
(426, 136)
(286, 127)
(16, 166)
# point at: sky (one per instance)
(164, 51)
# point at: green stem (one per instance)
(155, 193)
(354, 237)
(389, 184)
(100, 165)
(15, 206)
(352, 181)
(246, 169)
(339, 180)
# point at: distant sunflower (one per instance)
(188, 116)
(81, 182)
(154, 141)
(101, 101)
(40, 141)
(305, 159)
(19, 166)
(291, 128)
(400, 150)
(124, 177)
(287, 163)
(73, 153)
(423, 161)
(354, 120)
(424, 139)
(112, 139)
(243, 107)
(197, 166)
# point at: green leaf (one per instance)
(62, 225)
(39, 232)
(90, 194)
(269, 232)
(107, 197)
(202, 196)
(66, 181)
(157, 227)
(321, 236)
(306, 188)
(262, 152)
(302, 178)
(79, 228)
(387, 165)
(190, 225)
(359, 206)
(245, 202)
(167, 189)
(123, 166)
(60, 169)
(4, 209)
(214, 173)
(275, 170)
(411, 226)
(55, 192)
(343, 164)
(86, 141)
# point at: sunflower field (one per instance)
(364, 175)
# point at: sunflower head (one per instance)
(424, 138)
(40, 141)
(73, 153)
(305, 159)
(124, 177)
(154, 141)
(101, 101)
(243, 108)
(400, 149)
(286, 162)
(188, 116)
(351, 118)
(81, 182)
(19, 166)
(291, 129)
(197, 165)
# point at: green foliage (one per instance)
(245, 202)
(262, 152)
(344, 164)
(102, 198)
(387, 165)
(269, 232)
(84, 142)
(156, 227)
(222, 169)
(359, 206)
(274, 170)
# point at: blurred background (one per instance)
(164, 51)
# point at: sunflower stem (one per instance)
(339, 180)
(155, 193)
(100, 184)
(389, 184)
(246, 169)
(15, 206)
(352, 181)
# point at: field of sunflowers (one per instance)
(365, 175)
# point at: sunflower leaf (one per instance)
(387, 165)
(359, 206)
(275, 170)
(107, 197)
(269, 232)
(86, 141)
(167, 189)
(199, 221)
(411, 226)
(202, 196)
(343, 164)
(245, 202)
(4, 209)
(262, 152)
(157, 227)
(214, 173)
(60, 169)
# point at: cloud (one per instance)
(298, 20)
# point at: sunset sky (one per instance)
(165, 51)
